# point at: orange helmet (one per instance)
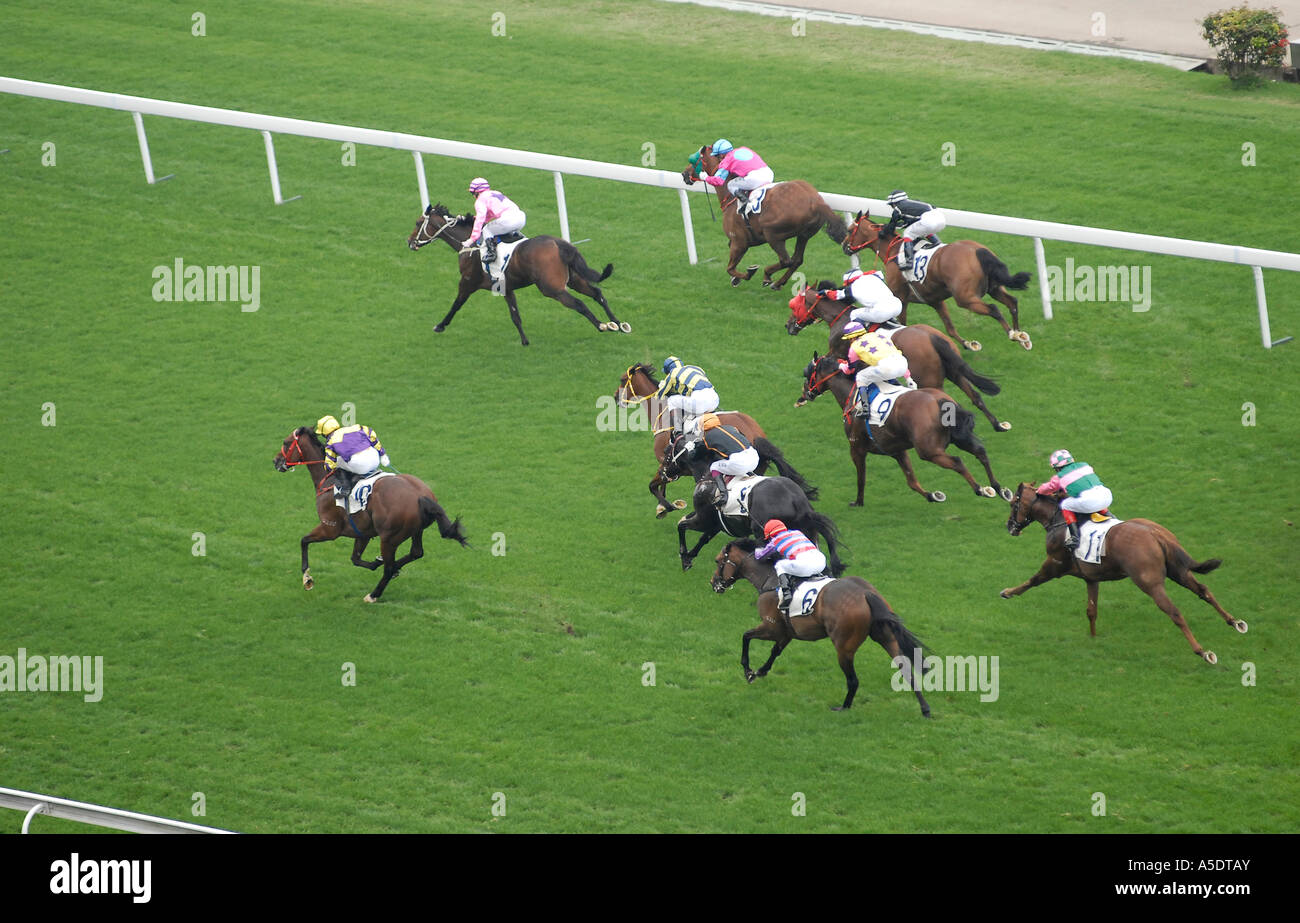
(709, 421)
(772, 527)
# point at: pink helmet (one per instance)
(1061, 458)
(478, 184)
(851, 330)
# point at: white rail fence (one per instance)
(32, 804)
(418, 145)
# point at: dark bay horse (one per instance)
(1139, 549)
(780, 498)
(931, 356)
(790, 209)
(638, 386)
(551, 263)
(963, 270)
(920, 420)
(399, 508)
(848, 611)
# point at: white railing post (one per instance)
(690, 228)
(275, 171)
(1041, 259)
(419, 178)
(144, 151)
(1265, 334)
(41, 808)
(559, 201)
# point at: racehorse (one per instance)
(771, 498)
(790, 209)
(399, 508)
(931, 356)
(1139, 549)
(963, 270)
(848, 611)
(551, 263)
(919, 420)
(638, 385)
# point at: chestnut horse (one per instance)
(399, 508)
(638, 386)
(848, 611)
(1139, 549)
(962, 270)
(790, 209)
(931, 356)
(919, 420)
(551, 263)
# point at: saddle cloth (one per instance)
(738, 494)
(915, 273)
(497, 269)
(1092, 539)
(756, 197)
(359, 495)
(805, 595)
(882, 402)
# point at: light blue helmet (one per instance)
(671, 363)
(722, 146)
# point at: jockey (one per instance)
(728, 450)
(799, 558)
(495, 216)
(1087, 494)
(916, 219)
(686, 392)
(350, 450)
(740, 168)
(872, 359)
(878, 306)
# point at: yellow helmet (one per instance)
(708, 421)
(326, 425)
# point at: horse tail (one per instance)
(955, 367)
(826, 527)
(431, 512)
(882, 617)
(573, 259)
(997, 273)
(1205, 566)
(962, 433)
(1178, 561)
(836, 228)
(769, 452)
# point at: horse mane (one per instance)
(648, 371)
(747, 545)
(310, 434)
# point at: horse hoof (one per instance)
(1006, 594)
(1240, 626)
(855, 503)
(766, 283)
(973, 345)
(1007, 495)
(735, 280)
(687, 564)
(937, 496)
(438, 328)
(925, 713)
(679, 504)
(750, 676)
(1003, 427)
(1023, 338)
(625, 327)
(308, 583)
(369, 599)
(661, 511)
(987, 492)
(1210, 658)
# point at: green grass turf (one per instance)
(522, 673)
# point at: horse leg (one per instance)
(1186, 579)
(1156, 590)
(514, 314)
(389, 549)
(850, 679)
(738, 248)
(564, 298)
(692, 521)
(1093, 586)
(903, 662)
(322, 533)
(794, 263)
(905, 463)
(952, 462)
(764, 632)
(1008, 299)
(972, 302)
(858, 452)
(358, 549)
(416, 552)
(582, 286)
(941, 306)
(467, 288)
(1051, 569)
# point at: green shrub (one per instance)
(1246, 41)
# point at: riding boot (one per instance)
(785, 591)
(1071, 529)
(342, 482)
(905, 258)
(720, 484)
(489, 250)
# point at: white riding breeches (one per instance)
(738, 465)
(889, 367)
(364, 462)
(1092, 500)
(878, 302)
(761, 177)
(809, 563)
(508, 223)
(932, 222)
(687, 407)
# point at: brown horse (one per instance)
(963, 270)
(848, 611)
(1139, 549)
(926, 419)
(790, 209)
(931, 356)
(638, 385)
(551, 263)
(399, 508)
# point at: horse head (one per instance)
(301, 447)
(1022, 504)
(727, 568)
(432, 222)
(863, 233)
(815, 375)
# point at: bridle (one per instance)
(809, 316)
(423, 229)
(862, 246)
(286, 457)
(720, 582)
(1014, 525)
